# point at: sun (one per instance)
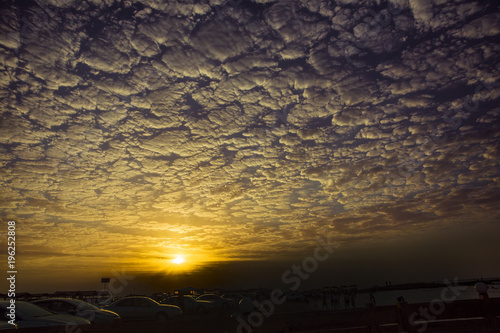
(178, 260)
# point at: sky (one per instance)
(241, 134)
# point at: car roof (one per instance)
(136, 297)
(58, 299)
(7, 302)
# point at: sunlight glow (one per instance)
(178, 260)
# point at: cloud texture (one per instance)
(244, 129)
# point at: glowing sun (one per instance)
(178, 260)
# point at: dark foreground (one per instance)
(437, 316)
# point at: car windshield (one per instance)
(144, 302)
(83, 306)
(31, 310)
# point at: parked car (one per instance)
(6, 327)
(191, 304)
(219, 301)
(234, 296)
(82, 309)
(106, 302)
(32, 316)
(143, 308)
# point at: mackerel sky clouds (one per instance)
(240, 131)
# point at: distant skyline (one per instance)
(211, 143)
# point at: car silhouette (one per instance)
(82, 309)
(219, 301)
(33, 316)
(143, 308)
(191, 304)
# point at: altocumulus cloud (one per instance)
(156, 121)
